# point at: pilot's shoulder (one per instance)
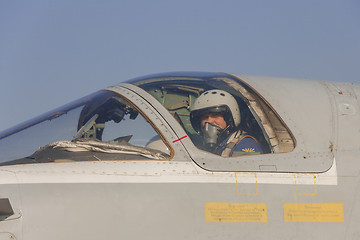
(248, 144)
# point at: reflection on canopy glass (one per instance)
(102, 126)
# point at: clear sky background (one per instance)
(53, 52)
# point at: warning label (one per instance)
(235, 212)
(313, 212)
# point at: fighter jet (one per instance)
(126, 162)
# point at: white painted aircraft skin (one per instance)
(154, 172)
(306, 186)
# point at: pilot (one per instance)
(215, 115)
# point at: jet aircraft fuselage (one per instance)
(126, 163)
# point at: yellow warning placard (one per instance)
(313, 212)
(235, 212)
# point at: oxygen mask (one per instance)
(212, 135)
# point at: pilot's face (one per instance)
(214, 118)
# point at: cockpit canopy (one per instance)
(108, 125)
(178, 91)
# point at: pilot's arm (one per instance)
(248, 145)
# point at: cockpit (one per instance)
(113, 125)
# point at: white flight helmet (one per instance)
(215, 101)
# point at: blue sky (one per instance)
(53, 52)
